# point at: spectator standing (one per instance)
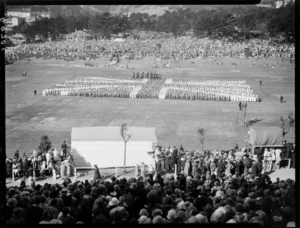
(64, 149)
(17, 155)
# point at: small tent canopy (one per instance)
(265, 136)
(104, 146)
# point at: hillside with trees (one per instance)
(239, 22)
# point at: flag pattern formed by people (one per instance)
(213, 90)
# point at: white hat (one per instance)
(114, 201)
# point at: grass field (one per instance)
(28, 117)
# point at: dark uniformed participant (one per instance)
(64, 149)
(17, 154)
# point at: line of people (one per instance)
(147, 75)
(230, 162)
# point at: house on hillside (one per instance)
(11, 22)
(78, 36)
(18, 39)
(19, 13)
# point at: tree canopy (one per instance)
(238, 23)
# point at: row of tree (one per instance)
(235, 23)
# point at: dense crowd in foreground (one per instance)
(233, 195)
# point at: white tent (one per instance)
(104, 146)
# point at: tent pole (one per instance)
(13, 175)
(136, 170)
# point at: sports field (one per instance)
(28, 117)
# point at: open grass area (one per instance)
(28, 117)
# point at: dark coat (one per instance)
(238, 167)
(247, 162)
(34, 214)
(97, 173)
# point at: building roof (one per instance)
(79, 33)
(265, 136)
(112, 134)
(17, 35)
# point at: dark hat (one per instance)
(169, 200)
(277, 216)
(239, 208)
(64, 191)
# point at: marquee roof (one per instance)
(112, 134)
(265, 136)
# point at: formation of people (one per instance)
(94, 87)
(147, 75)
(214, 90)
(224, 188)
(210, 90)
(180, 48)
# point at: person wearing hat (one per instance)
(64, 149)
(171, 215)
(66, 197)
(113, 206)
(158, 220)
(97, 174)
(34, 212)
(201, 218)
(144, 220)
(144, 212)
(17, 217)
(228, 166)
(8, 166)
(180, 217)
(17, 154)
(10, 205)
(65, 217)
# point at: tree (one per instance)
(45, 144)
(287, 123)
(201, 133)
(125, 136)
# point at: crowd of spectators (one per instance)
(232, 194)
(180, 48)
(41, 164)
